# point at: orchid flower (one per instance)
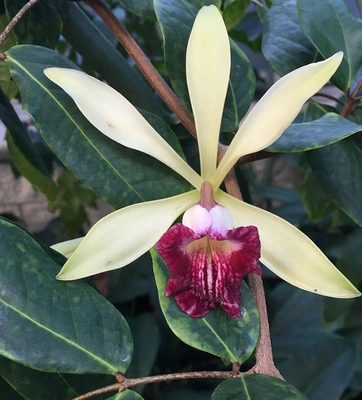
(206, 255)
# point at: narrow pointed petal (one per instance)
(207, 73)
(123, 236)
(68, 247)
(118, 119)
(289, 253)
(276, 110)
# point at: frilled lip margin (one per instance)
(208, 269)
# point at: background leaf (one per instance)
(24, 155)
(216, 333)
(284, 45)
(118, 175)
(176, 18)
(104, 57)
(55, 326)
(338, 169)
(126, 395)
(36, 385)
(142, 8)
(256, 387)
(328, 129)
(331, 26)
(40, 25)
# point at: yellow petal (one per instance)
(276, 110)
(288, 252)
(118, 119)
(68, 247)
(123, 236)
(207, 73)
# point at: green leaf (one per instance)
(176, 18)
(321, 363)
(350, 264)
(50, 325)
(234, 12)
(7, 392)
(256, 387)
(185, 394)
(328, 129)
(217, 333)
(24, 155)
(317, 203)
(142, 8)
(40, 25)
(126, 395)
(37, 385)
(79, 31)
(338, 169)
(131, 281)
(146, 338)
(6, 84)
(284, 45)
(118, 175)
(331, 26)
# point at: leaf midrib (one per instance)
(59, 336)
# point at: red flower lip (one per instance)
(208, 263)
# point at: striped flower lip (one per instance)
(208, 259)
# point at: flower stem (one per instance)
(144, 64)
(16, 19)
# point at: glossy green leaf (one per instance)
(234, 12)
(331, 26)
(118, 175)
(142, 8)
(80, 331)
(256, 387)
(126, 395)
(216, 333)
(284, 45)
(40, 25)
(23, 153)
(324, 131)
(176, 18)
(79, 31)
(338, 169)
(36, 385)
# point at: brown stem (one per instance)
(263, 352)
(106, 389)
(16, 19)
(352, 98)
(330, 97)
(144, 64)
(128, 383)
